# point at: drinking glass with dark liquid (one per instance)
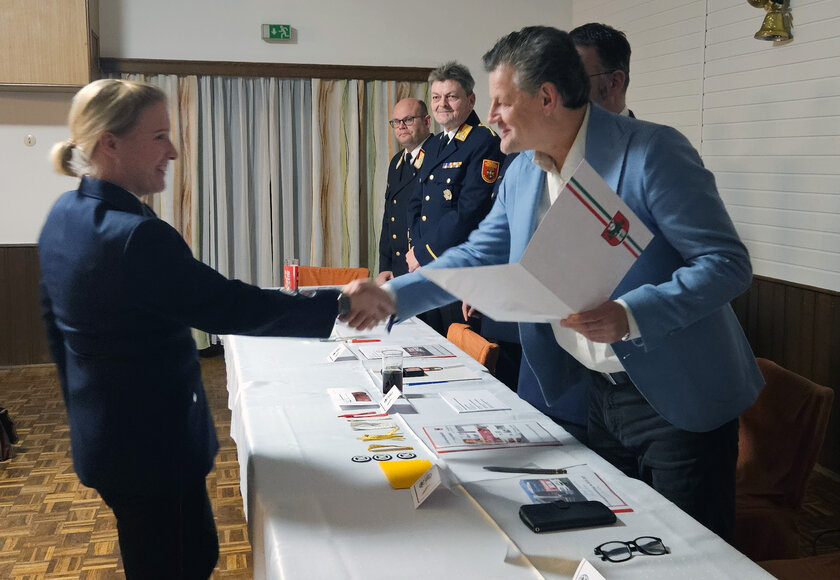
(392, 370)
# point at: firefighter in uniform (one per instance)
(410, 123)
(455, 184)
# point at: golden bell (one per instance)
(774, 27)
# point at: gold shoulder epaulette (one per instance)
(492, 132)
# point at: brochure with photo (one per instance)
(449, 438)
(579, 483)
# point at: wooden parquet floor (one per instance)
(51, 526)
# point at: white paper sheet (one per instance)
(473, 401)
(583, 247)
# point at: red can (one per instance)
(290, 275)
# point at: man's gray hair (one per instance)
(453, 71)
(540, 54)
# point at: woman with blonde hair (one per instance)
(120, 292)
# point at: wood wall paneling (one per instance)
(799, 328)
(22, 336)
(51, 43)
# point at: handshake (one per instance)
(369, 304)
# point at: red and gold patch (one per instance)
(489, 170)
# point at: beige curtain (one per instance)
(351, 150)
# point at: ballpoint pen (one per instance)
(534, 470)
(426, 383)
(364, 414)
(364, 340)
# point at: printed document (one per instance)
(583, 247)
(448, 438)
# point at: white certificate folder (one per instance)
(583, 247)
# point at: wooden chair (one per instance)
(321, 276)
(816, 566)
(475, 345)
(779, 441)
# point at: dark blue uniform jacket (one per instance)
(393, 241)
(455, 189)
(120, 291)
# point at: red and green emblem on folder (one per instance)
(616, 230)
(616, 227)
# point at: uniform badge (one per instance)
(462, 133)
(419, 161)
(447, 194)
(616, 230)
(489, 170)
(452, 165)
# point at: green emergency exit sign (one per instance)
(277, 31)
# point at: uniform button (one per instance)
(427, 198)
(431, 178)
(398, 253)
(394, 236)
(392, 219)
(424, 218)
(448, 180)
(195, 397)
(395, 202)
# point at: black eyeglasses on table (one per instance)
(407, 121)
(623, 551)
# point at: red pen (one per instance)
(364, 414)
(365, 340)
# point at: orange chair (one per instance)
(779, 441)
(320, 276)
(475, 345)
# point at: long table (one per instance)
(313, 513)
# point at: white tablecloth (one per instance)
(313, 513)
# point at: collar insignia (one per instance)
(462, 133)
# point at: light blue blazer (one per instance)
(692, 363)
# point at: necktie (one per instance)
(407, 169)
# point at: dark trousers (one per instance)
(166, 537)
(696, 471)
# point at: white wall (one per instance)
(365, 32)
(28, 185)
(764, 116)
(771, 134)
(666, 68)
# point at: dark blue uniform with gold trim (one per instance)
(455, 189)
(402, 181)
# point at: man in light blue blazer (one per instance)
(665, 361)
